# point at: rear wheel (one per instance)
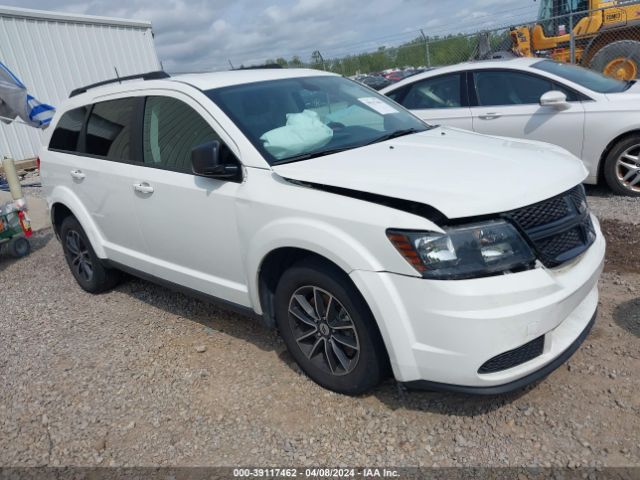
(622, 167)
(620, 60)
(328, 328)
(83, 262)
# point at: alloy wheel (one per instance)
(628, 168)
(324, 330)
(79, 256)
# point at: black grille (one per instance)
(559, 229)
(514, 357)
(558, 244)
(542, 213)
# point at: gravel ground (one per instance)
(31, 184)
(145, 376)
(606, 205)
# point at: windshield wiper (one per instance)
(309, 156)
(396, 134)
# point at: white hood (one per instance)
(460, 173)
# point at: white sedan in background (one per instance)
(594, 117)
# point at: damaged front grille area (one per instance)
(559, 229)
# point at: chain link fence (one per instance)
(604, 39)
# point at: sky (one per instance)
(202, 35)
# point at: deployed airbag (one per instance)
(304, 132)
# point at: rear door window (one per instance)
(66, 136)
(111, 129)
(439, 92)
(398, 94)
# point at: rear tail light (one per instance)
(38, 164)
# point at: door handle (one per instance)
(77, 174)
(490, 116)
(143, 187)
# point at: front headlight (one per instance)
(468, 251)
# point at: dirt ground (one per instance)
(144, 376)
(623, 246)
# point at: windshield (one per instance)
(546, 10)
(554, 13)
(587, 78)
(554, 8)
(299, 118)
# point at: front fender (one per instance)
(316, 236)
(353, 257)
(61, 195)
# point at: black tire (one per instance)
(85, 266)
(367, 366)
(629, 49)
(615, 174)
(19, 247)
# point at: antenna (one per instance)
(117, 75)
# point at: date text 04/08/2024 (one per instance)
(315, 473)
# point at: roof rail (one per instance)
(157, 75)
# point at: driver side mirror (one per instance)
(211, 160)
(555, 99)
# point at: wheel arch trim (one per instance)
(611, 145)
(316, 237)
(61, 196)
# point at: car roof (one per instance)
(201, 81)
(207, 81)
(499, 62)
(511, 62)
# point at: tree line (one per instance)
(432, 51)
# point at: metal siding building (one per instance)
(54, 53)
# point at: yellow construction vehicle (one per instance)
(606, 35)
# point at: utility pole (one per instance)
(572, 39)
(427, 54)
(316, 57)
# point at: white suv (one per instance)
(372, 241)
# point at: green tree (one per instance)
(446, 50)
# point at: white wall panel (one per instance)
(54, 53)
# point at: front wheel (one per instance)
(622, 167)
(329, 329)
